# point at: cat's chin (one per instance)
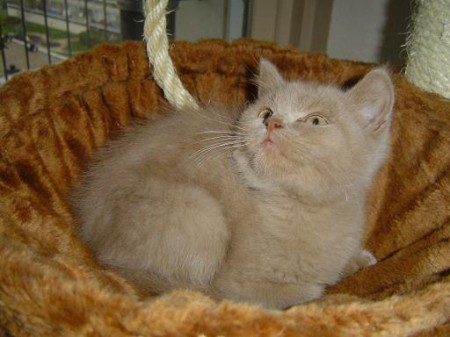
(272, 159)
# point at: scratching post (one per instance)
(428, 47)
(158, 54)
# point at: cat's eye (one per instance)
(265, 113)
(315, 120)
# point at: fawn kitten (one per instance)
(264, 205)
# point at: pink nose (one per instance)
(273, 123)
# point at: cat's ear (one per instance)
(268, 77)
(373, 97)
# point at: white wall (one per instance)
(200, 19)
(360, 30)
(368, 30)
(356, 29)
(236, 13)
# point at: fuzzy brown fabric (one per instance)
(52, 120)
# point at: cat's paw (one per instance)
(361, 260)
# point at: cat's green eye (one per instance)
(315, 120)
(265, 113)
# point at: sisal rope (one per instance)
(428, 47)
(158, 54)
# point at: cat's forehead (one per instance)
(300, 99)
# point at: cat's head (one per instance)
(319, 141)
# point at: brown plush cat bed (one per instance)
(52, 120)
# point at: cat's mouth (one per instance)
(269, 143)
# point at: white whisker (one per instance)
(228, 132)
(224, 137)
(217, 146)
(201, 155)
(231, 124)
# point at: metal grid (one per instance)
(34, 33)
(38, 32)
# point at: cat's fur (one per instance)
(205, 199)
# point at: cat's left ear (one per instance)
(268, 78)
(373, 97)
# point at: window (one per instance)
(38, 32)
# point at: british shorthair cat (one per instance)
(264, 205)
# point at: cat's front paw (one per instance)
(361, 260)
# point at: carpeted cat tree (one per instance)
(52, 120)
